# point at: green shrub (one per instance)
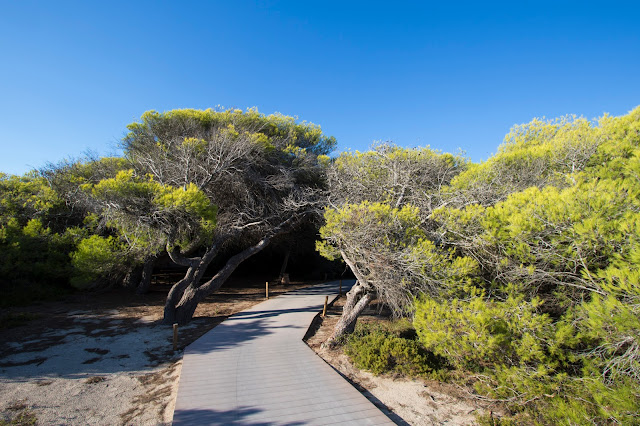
(477, 333)
(97, 259)
(381, 349)
(488, 419)
(546, 372)
(36, 264)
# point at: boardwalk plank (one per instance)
(254, 369)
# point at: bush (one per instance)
(477, 333)
(36, 265)
(393, 348)
(98, 259)
(541, 369)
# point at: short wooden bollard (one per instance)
(175, 337)
(324, 311)
(266, 289)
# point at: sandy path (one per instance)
(112, 364)
(102, 371)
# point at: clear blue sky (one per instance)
(446, 74)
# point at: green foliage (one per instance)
(379, 241)
(539, 153)
(567, 237)
(394, 175)
(440, 271)
(521, 357)
(478, 333)
(489, 419)
(612, 326)
(97, 258)
(381, 349)
(35, 265)
(24, 417)
(144, 214)
(159, 127)
(148, 213)
(25, 197)
(382, 226)
(527, 271)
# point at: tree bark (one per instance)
(184, 296)
(132, 278)
(284, 267)
(147, 272)
(194, 293)
(196, 268)
(174, 296)
(357, 299)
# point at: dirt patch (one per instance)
(105, 358)
(406, 401)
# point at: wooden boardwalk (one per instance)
(254, 369)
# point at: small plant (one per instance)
(24, 416)
(488, 419)
(95, 379)
(391, 348)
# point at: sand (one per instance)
(97, 373)
(113, 364)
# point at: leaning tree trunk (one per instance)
(196, 269)
(147, 272)
(195, 292)
(357, 299)
(131, 280)
(184, 296)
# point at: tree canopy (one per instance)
(380, 208)
(520, 274)
(204, 180)
(524, 272)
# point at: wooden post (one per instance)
(324, 311)
(175, 337)
(266, 289)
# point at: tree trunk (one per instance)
(174, 296)
(185, 295)
(147, 272)
(132, 278)
(284, 267)
(196, 269)
(357, 299)
(182, 303)
(194, 294)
